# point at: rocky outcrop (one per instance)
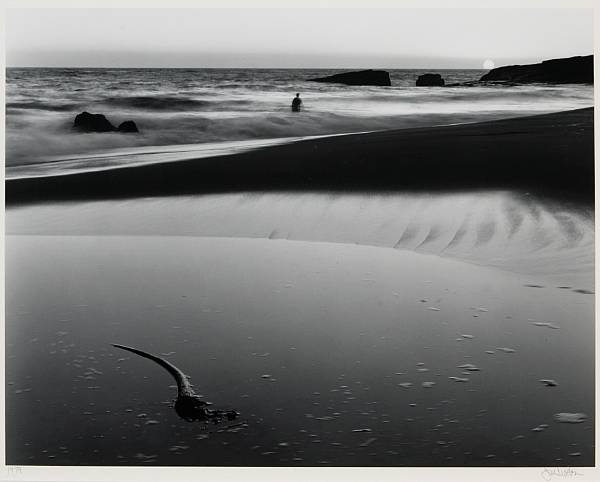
(363, 77)
(86, 122)
(127, 127)
(572, 70)
(430, 80)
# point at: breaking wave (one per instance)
(13, 107)
(160, 102)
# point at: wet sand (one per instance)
(326, 350)
(335, 353)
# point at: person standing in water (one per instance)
(296, 103)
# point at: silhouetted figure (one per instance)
(188, 405)
(296, 103)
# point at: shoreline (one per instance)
(548, 155)
(502, 229)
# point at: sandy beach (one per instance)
(384, 299)
(333, 354)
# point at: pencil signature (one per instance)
(549, 472)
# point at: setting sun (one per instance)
(488, 64)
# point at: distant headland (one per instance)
(572, 70)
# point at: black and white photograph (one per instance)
(300, 236)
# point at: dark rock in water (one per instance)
(86, 122)
(428, 80)
(363, 77)
(127, 127)
(572, 70)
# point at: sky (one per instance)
(287, 38)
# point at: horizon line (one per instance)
(361, 67)
(240, 68)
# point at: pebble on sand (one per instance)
(368, 442)
(548, 382)
(565, 417)
(547, 325)
(506, 349)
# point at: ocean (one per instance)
(193, 113)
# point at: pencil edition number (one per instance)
(14, 471)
